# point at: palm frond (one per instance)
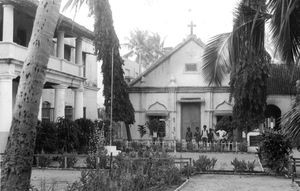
(249, 29)
(247, 35)
(74, 4)
(290, 123)
(285, 26)
(216, 59)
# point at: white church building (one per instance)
(70, 89)
(174, 90)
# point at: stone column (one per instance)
(40, 110)
(6, 102)
(59, 101)
(60, 49)
(8, 23)
(78, 102)
(211, 108)
(78, 54)
(78, 51)
(73, 54)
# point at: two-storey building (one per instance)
(70, 88)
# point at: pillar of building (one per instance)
(60, 49)
(8, 23)
(78, 54)
(73, 54)
(6, 101)
(78, 51)
(211, 109)
(40, 110)
(59, 101)
(78, 102)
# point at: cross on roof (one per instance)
(192, 25)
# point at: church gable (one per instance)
(182, 67)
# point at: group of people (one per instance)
(205, 135)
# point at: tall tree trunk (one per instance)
(129, 138)
(19, 151)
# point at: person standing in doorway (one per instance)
(204, 135)
(188, 135)
(197, 136)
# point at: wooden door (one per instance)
(190, 117)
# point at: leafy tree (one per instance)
(107, 50)
(242, 53)
(19, 151)
(148, 47)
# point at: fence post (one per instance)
(294, 170)
(190, 166)
(37, 161)
(174, 146)
(65, 162)
(110, 161)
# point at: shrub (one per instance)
(43, 161)
(91, 162)
(251, 166)
(242, 147)
(239, 165)
(68, 135)
(86, 131)
(127, 174)
(46, 137)
(274, 151)
(120, 145)
(204, 163)
(242, 165)
(187, 170)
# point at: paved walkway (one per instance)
(59, 179)
(223, 159)
(239, 183)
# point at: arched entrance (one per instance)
(273, 113)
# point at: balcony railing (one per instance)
(14, 51)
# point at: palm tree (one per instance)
(19, 151)
(148, 47)
(242, 53)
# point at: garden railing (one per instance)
(183, 146)
(294, 162)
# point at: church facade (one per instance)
(173, 90)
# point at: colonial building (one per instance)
(173, 90)
(70, 89)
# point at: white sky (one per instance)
(169, 18)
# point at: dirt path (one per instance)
(59, 179)
(239, 183)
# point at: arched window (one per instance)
(273, 115)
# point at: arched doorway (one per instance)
(273, 112)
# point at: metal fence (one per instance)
(183, 146)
